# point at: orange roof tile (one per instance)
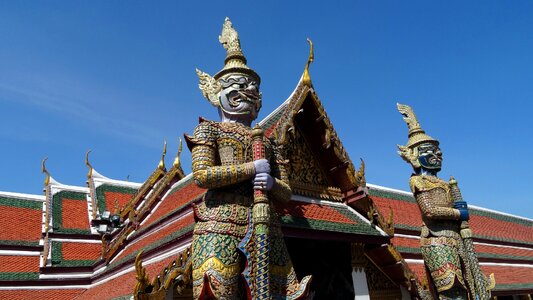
(16, 263)
(65, 294)
(175, 200)
(20, 224)
(405, 213)
(75, 214)
(313, 211)
(510, 275)
(484, 226)
(121, 198)
(81, 251)
(155, 237)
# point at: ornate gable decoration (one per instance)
(319, 163)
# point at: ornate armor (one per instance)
(440, 241)
(222, 162)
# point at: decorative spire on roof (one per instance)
(177, 162)
(310, 59)
(162, 162)
(45, 171)
(88, 164)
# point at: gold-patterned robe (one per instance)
(440, 240)
(222, 162)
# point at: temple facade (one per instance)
(114, 239)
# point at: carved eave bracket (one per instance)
(176, 276)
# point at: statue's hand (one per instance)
(262, 166)
(263, 182)
(463, 210)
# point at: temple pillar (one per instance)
(405, 293)
(360, 285)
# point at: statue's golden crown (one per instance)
(235, 63)
(416, 135)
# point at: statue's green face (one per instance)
(240, 97)
(430, 157)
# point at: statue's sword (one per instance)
(256, 273)
(479, 285)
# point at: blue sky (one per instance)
(118, 77)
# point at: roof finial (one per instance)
(177, 161)
(88, 164)
(45, 171)
(162, 162)
(306, 77)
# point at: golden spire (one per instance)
(88, 164)
(45, 171)
(177, 161)
(306, 77)
(162, 162)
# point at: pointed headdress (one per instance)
(416, 136)
(235, 63)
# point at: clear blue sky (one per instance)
(118, 77)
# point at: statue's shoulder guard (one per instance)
(424, 183)
(205, 133)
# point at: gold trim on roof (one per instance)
(45, 171)
(310, 59)
(177, 161)
(88, 164)
(162, 161)
(158, 183)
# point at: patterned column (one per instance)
(360, 285)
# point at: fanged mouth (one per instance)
(235, 97)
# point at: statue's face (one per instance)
(430, 157)
(240, 97)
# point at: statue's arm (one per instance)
(281, 191)
(432, 211)
(205, 171)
